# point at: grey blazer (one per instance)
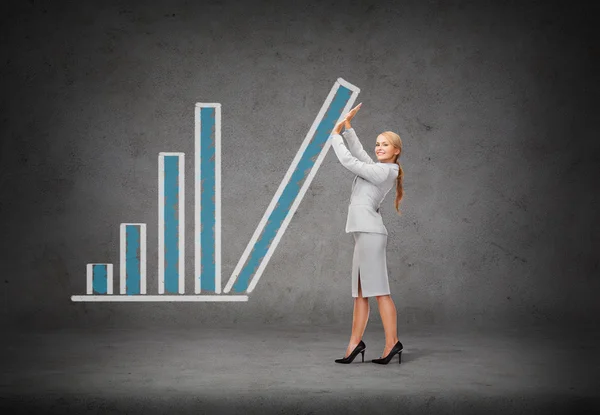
(372, 183)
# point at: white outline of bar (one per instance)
(90, 278)
(109, 279)
(311, 132)
(197, 180)
(161, 222)
(143, 258)
(123, 254)
(122, 259)
(158, 298)
(89, 285)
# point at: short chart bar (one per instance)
(99, 279)
(171, 223)
(207, 183)
(133, 258)
(292, 188)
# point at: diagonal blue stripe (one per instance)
(292, 189)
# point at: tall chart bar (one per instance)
(99, 279)
(207, 197)
(133, 258)
(292, 189)
(171, 223)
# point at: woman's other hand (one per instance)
(338, 127)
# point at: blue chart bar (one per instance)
(292, 189)
(208, 197)
(133, 258)
(171, 223)
(99, 279)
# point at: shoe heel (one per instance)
(400, 357)
(362, 353)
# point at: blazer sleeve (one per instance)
(372, 172)
(355, 146)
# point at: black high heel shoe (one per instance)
(360, 348)
(396, 349)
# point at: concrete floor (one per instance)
(291, 370)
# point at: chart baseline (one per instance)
(156, 298)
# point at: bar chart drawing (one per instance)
(207, 217)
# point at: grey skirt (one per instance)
(370, 260)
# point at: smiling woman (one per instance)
(372, 183)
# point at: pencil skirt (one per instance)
(370, 261)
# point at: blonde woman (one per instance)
(372, 183)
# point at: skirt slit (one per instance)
(359, 286)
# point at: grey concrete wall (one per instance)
(494, 103)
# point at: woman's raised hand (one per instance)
(351, 115)
(353, 112)
(345, 123)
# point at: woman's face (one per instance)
(385, 150)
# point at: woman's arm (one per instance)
(355, 146)
(374, 172)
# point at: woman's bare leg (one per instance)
(359, 319)
(387, 310)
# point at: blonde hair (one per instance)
(396, 141)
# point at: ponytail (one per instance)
(399, 187)
(396, 141)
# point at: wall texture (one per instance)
(494, 103)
